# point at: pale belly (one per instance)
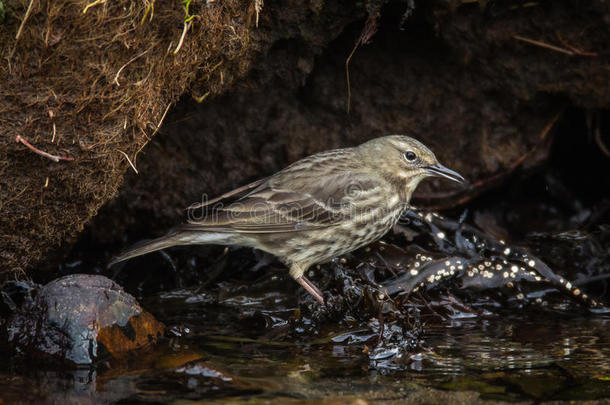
(319, 246)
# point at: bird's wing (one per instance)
(228, 196)
(317, 192)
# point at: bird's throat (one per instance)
(410, 187)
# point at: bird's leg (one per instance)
(311, 289)
(297, 272)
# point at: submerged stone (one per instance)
(78, 318)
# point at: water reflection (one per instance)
(228, 351)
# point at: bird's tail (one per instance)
(173, 238)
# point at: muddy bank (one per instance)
(487, 104)
(484, 86)
(89, 83)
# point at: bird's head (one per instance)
(405, 161)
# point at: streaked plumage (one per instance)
(318, 208)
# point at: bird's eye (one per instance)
(410, 156)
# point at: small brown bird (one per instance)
(318, 208)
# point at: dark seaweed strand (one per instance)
(557, 281)
(485, 250)
(429, 273)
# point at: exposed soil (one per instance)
(483, 86)
(90, 83)
(486, 103)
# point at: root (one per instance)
(128, 160)
(116, 78)
(258, 7)
(93, 4)
(600, 143)
(34, 149)
(370, 28)
(572, 51)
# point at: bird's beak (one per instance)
(442, 171)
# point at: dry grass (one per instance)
(92, 80)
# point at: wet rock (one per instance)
(79, 318)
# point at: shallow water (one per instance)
(241, 331)
(237, 350)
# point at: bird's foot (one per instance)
(311, 289)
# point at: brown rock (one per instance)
(72, 316)
(139, 331)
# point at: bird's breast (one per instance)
(321, 245)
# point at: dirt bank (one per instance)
(89, 83)
(483, 85)
(486, 102)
